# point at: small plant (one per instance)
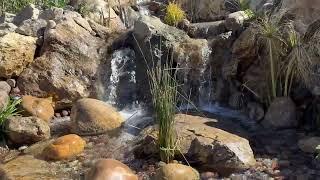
(13, 6)
(84, 9)
(9, 111)
(174, 14)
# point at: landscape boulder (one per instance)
(175, 171)
(91, 116)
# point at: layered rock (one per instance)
(91, 116)
(205, 145)
(72, 62)
(16, 52)
(108, 169)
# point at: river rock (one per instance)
(29, 12)
(32, 27)
(108, 169)
(16, 52)
(210, 147)
(281, 114)
(91, 116)
(71, 65)
(255, 111)
(64, 147)
(4, 100)
(28, 167)
(39, 107)
(174, 171)
(4, 86)
(26, 130)
(309, 144)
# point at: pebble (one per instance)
(12, 82)
(65, 113)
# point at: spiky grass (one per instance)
(174, 14)
(9, 111)
(164, 97)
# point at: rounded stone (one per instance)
(91, 116)
(110, 169)
(39, 107)
(65, 147)
(175, 171)
(4, 100)
(4, 86)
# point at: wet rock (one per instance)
(7, 18)
(71, 66)
(6, 28)
(281, 114)
(4, 86)
(109, 169)
(234, 21)
(29, 12)
(28, 167)
(39, 107)
(32, 27)
(309, 144)
(91, 116)
(64, 147)
(16, 52)
(4, 100)
(26, 130)
(174, 171)
(210, 147)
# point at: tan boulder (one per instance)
(64, 147)
(39, 107)
(174, 171)
(16, 52)
(91, 116)
(108, 169)
(210, 147)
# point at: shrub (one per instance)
(9, 111)
(174, 14)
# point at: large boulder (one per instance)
(16, 52)
(71, 65)
(108, 169)
(205, 145)
(39, 107)
(64, 147)
(32, 27)
(281, 114)
(91, 116)
(174, 171)
(156, 40)
(29, 12)
(26, 130)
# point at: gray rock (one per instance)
(6, 28)
(234, 21)
(26, 130)
(32, 27)
(84, 24)
(255, 111)
(29, 12)
(4, 86)
(4, 100)
(53, 13)
(7, 18)
(309, 144)
(281, 114)
(207, 29)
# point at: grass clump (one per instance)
(9, 111)
(174, 14)
(164, 96)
